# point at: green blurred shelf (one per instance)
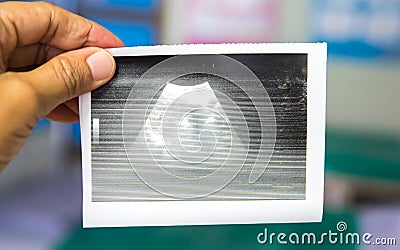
(363, 155)
(205, 237)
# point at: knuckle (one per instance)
(81, 30)
(51, 9)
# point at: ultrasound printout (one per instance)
(206, 134)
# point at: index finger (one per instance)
(29, 23)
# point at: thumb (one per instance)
(29, 96)
(69, 75)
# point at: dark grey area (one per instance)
(284, 77)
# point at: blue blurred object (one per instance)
(42, 124)
(359, 28)
(71, 5)
(143, 4)
(76, 130)
(132, 34)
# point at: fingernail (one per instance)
(101, 65)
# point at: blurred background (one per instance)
(40, 192)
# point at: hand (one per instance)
(34, 34)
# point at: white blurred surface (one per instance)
(39, 215)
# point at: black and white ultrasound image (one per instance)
(201, 135)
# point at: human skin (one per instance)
(48, 57)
